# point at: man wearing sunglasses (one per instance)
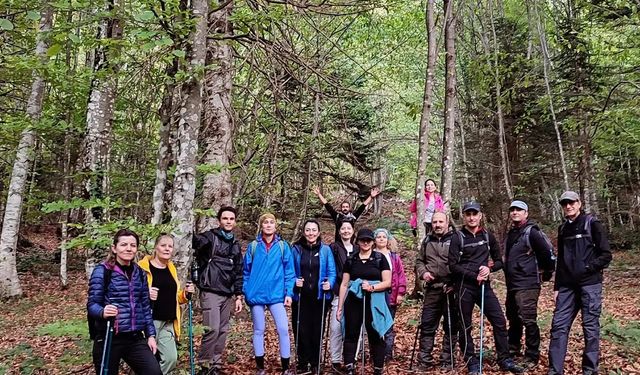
(528, 260)
(583, 254)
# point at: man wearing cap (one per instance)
(433, 269)
(528, 259)
(583, 254)
(469, 254)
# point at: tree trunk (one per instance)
(545, 67)
(450, 104)
(9, 282)
(184, 186)
(425, 118)
(218, 125)
(502, 148)
(165, 149)
(100, 110)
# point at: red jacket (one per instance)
(398, 279)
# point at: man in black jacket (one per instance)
(345, 213)
(433, 269)
(528, 259)
(583, 254)
(469, 254)
(219, 260)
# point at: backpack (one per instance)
(254, 244)
(97, 325)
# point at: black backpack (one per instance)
(98, 326)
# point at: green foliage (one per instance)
(65, 328)
(626, 334)
(29, 362)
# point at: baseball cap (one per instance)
(519, 204)
(569, 196)
(365, 234)
(471, 206)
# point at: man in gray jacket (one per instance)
(433, 270)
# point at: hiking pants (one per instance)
(522, 312)
(309, 337)
(166, 341)
(133, 349)
(335, 342)
(279, 315)
(352, 316)
(588, 300)
(216, 312)
(468, 297)
(433, 309)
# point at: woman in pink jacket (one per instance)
(386, 245)
(433, 203)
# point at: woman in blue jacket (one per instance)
(268, 282)
(118, 292)
(315, 276)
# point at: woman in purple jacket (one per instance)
(118, 292)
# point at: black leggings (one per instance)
(352, 323)
(133, 349)
(311, 316)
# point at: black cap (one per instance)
(365, 234)
(471, 206)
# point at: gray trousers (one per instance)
(335, 336)
(216, 312)
(587, 300)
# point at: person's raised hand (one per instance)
(374, 192)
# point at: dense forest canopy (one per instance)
(158, 112)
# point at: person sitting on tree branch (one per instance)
(345, 213)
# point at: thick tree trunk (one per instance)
(450, 103)
(9, 282)
(184, 186)
(218, 125)
(100, 110)
(425, 118)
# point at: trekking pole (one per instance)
(320, 361)
(106, 349)
(450, 331)
(481, 323)
(364, 311)
(192, 362)
(418, 330)
(298, 323)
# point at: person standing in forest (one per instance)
(583, 254)
(365, 282)
(528, 260)
(269, 281)
(433, 203)
(118, 294)
(342, 250)
(345, 213)
(433, 270)
(469, 254)
(386, 245)
(166, 297)
(315, 276)
(219, 260)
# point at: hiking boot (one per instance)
(510, 365)
(337, 368)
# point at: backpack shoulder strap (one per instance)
(106, 280)
(526, 235)
(252, 248)
(281, 245)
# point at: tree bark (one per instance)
(9, 282)
(100, 110)
(184, 186)
(219, 124)
(425, 118)
(450, 103)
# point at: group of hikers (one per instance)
(358, 282)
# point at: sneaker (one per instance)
(350, 369)
(510, 365)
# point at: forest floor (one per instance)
(45, 332)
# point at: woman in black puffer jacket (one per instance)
(118, 292)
